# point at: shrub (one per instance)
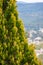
(14, 49)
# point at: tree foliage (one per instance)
(14, 49)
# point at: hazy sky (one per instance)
(30, 1)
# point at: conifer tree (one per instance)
(14, 48)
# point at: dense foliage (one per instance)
(14, 49)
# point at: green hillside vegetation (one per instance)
(14, 48)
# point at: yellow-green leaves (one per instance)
(0, 11)
(14, 49)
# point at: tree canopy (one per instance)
(14, 48)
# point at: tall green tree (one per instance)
(14, 48)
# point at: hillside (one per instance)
(31, 13)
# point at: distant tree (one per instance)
(14, 48)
